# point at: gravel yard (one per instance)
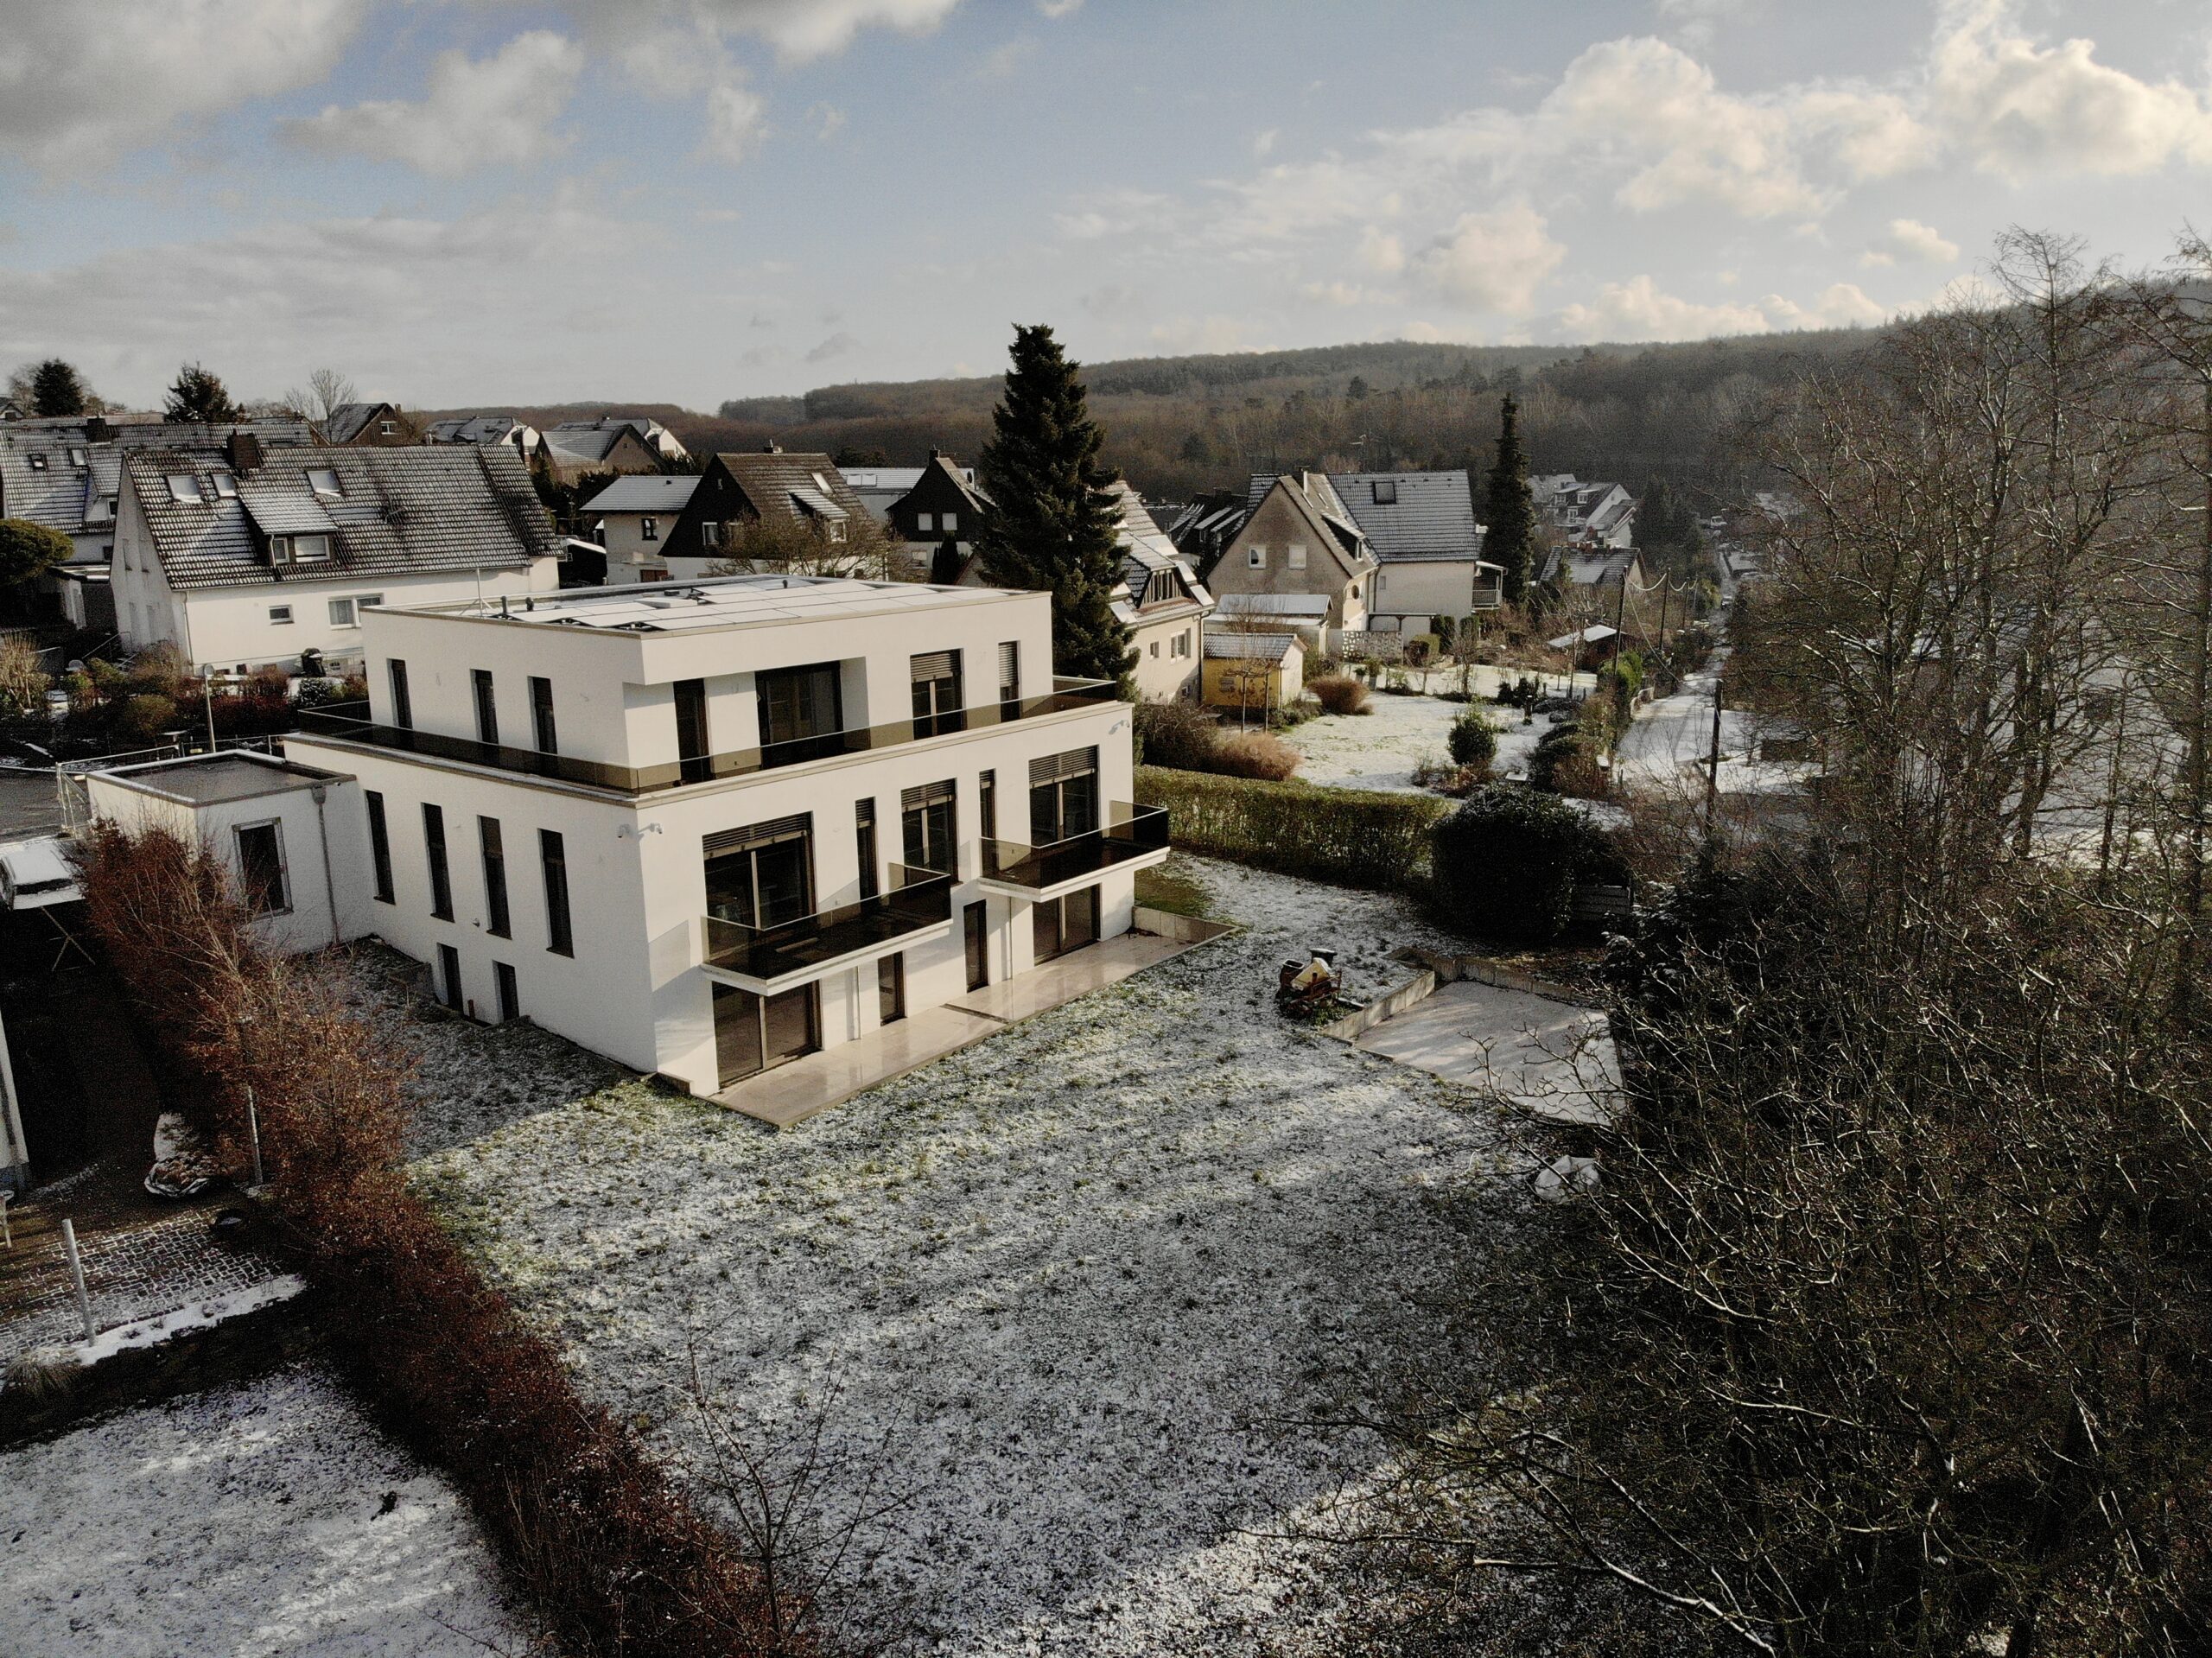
(1063, 1296)
(1380, 749)
(267, 1518)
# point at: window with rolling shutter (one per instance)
(937, 693)
(929, 823)
(762, 874)
(1010, 671)
(1053, 768)
(1063, 796)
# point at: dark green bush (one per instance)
(1177, 735)
(1472, 741)
(1350, 837)
(1507, 863)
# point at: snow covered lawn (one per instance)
(247, 1521)
(1380, 749)
(1070, 1292)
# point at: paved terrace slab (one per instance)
(790, 1094)
(1552, 1058)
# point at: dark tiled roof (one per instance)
(644, 492)
(582, 443)
(349, 420)
(400, 510)
(1433, 517)
(1267, 646)
(57, 492)
(773, 482)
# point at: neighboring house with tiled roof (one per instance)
(1587, 569)
(1161, 601)
(631, 518)
(1299, 537)
(763, 485)
(1598, 515)
(377, 425)
(256, 555)
(663, 442)
(65, 474)
(1206, 525)
(524, 440)
(938, 515)
(574, 452)
(1427, 546)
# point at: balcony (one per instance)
(350, 723)
(765, 960)
(1133, 838)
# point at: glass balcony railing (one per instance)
(350, 723)
(916, 901)
(1130, 832)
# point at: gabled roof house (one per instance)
(1162, 602)
(253, 555)
(763, 485)
(376, 425)
(1301, 537)
(1428, 546)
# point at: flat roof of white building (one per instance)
(211, 779)
(719, 601)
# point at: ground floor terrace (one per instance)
(1043, 1319)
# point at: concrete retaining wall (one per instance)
(1183, 929)
(1419, 987)
(1451, 969)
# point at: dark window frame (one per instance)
(403, 700)
(542, 725)
(433, 854)
(484, 692)
(380, 848)
(553, 867)
(492, 847)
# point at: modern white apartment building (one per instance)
(707, 827)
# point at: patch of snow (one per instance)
(1069, 1289)
(193, 1315)
(1381, 749)
(245, 1521)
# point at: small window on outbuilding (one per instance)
(261, 866)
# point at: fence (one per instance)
(74, 796)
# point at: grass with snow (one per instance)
(1068, 1292)
(1381, 748)
(247, 1521)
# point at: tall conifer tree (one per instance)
(57, 389)
(1055, 526)
(198, 395)
(1509, 510)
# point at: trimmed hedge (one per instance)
(1352, 837)
(1508, 863)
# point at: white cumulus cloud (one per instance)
(495, 110)
(1492, 260)
(2020, 109)
(82, 84)
(1640, 309)
(736, 121)
(1910, 241)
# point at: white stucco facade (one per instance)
(635, 982)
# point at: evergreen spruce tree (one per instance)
(197, 395)
(56, 389)
(1509, 509)
(1055, 526)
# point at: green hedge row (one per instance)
(1354, 838)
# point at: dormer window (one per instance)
(183, 486)
(387, 428)
(298, 549)
(226, 486)
(324, 482)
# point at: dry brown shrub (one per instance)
(1339, 694)
(1255, 754)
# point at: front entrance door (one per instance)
(757, 1034)
(976, 923)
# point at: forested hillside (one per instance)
(1177, 425)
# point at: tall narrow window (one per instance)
(890, 990)
(495, 877)
(937, 693)
(864, 844)
(434, 847)
(1009, 677)
(379, 846)
(553, 855)
(987, 803)
(691, 748)
(929, 825)
(488, 709)
(449, 977)
(541, 715)
(403, 705)
(509, 992)
(261, 863)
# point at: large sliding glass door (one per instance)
(1063, 796)
(1066, 923)
(757, 1034)
(762, 875)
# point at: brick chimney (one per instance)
(244, 451)
(97, 430)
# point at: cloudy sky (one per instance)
(477, 200)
